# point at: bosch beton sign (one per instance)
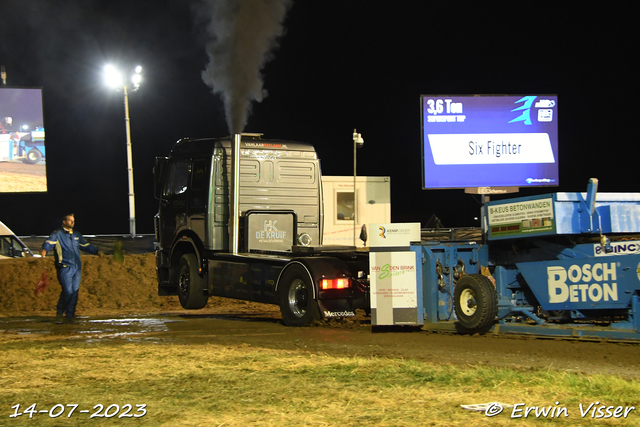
(583, 283)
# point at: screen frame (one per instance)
(510, 184)
(36, 121)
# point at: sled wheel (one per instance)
(476, 302)
(297, 306)
(33, 157)
(190, 284)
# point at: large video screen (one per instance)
(22, 152)
(489, 141)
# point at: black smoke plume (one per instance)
(242, 35)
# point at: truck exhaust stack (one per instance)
(234, 216)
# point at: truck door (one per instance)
(198, 196)
(173, 204)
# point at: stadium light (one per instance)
(114, 79)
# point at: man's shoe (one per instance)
(59, 319)
(72, 321)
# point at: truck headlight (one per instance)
(304, 239)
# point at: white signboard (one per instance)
(394, 296)
(393, 235)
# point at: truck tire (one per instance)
(33, 156)
(297, 306)
(476, 302)
(190, 285)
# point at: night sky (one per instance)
(340, 65)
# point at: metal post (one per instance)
(132, 209)
(483, 210)
(357, 142)
(355, 199)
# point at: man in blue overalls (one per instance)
(67, 245)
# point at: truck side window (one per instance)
(199, 176)
(177, 178)
(17, 249)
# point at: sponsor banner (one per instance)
(393, 235)
(521, 218)
(270, 231)
(586, 283)
(630, 247)
(592, 283)
(393, 286)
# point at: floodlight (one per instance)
(115, 80)
(113, 77)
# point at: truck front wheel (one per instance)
(297, 306)
(476, 302)
(190, 285)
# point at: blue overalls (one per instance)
(67, 247)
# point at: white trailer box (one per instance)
(6, 147)
(373, 198)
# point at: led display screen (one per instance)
(489, 141)
(22, 152)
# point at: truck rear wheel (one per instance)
(297, 306)
(190, 285)
(476, 302)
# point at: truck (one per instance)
(26, 146)
(32, 146)
(251, 229)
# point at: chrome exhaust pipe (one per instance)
(234, 215)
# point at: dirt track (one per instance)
(18, 177)
(19, 167)
(117, 289)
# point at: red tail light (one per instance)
(335, 284)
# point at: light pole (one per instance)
(357, 143)
(114, 79)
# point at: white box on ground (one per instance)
(394, 292)
(392, 269)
